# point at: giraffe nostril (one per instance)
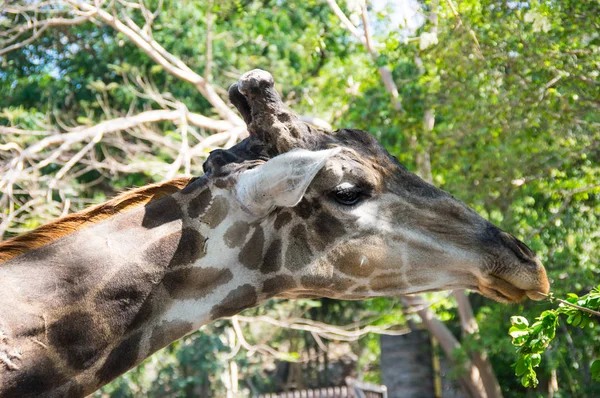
(494, 237)
(520, 249)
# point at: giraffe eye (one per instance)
(347, 194)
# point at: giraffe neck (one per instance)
(86, 308)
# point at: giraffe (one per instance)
(291, 211)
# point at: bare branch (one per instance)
(325, 330)
(470, 31)
(345, 21)
(171, 64)
(367, 41)
(38, 32)
(209, 38)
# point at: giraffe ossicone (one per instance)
(291, 211)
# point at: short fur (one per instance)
(66, 225)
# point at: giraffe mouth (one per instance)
(501, 290)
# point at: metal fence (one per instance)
(353, 389)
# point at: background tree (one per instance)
(496, 102)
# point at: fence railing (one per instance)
(353, 389)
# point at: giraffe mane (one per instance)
(66, 225)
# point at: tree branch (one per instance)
(162, 57)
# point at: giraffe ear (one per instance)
(281, 181)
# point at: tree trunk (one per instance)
(406, 366)
(470, 379)
(480, 359)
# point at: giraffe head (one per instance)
(334, 214)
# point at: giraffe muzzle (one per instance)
(517, 273)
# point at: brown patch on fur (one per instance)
(278, 284)
(349, 261)
(200, 203)
(78, 339)
(216, 213)
(272, 259)
(37, 377)
(155, 303)
(120, 301)
(236, 234)
(162, 211)
(326, 284)
(282, 219)
(328, 229)
(122, 358)
(195, 283)
(73, 222)
(387, 281)
(189, 249)
(239, 299)
(161, 252)
(298, 253)
(252, 253)
(168, 332)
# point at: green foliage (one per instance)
(532, 341)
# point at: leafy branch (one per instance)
(533, 340)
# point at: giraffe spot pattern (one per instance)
(168, 332)
(77, 339)
(156, 299)
(189, 249)
(195, 185)
(217, 212)
(272, 259)
(236, 301)
(72, 279)
(120, 301)
(251, 254)
(328, 228)
(162, 211)
(161, 251)
(304, 209)
(298, 253)
(282, 219)
(348, 260)
(236, 234)
(223, 183)
(194, 282)
(199, 204)
(122, 358)
(34, 379)
(326, 284)
(278, 284)
(387, 282)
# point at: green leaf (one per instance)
(519, 321)
(520, 367)
(515, 333)
(595, 369)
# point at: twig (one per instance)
(470, 31)
(165, 59)
(366, 40)
(580, 308)
(550, 297)
(209, 38)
